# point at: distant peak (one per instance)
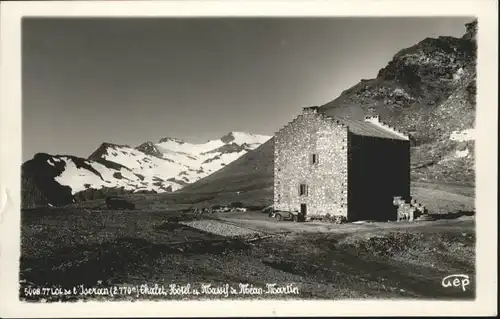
(103, 149)
(241, 138)
(470, 30)
(107, 144)
(149, 148)
(231, 136)
(42, 156)
(171, 139)
(147, 143)
(228, 138)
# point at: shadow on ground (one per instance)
(453, 215)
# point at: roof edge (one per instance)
(375, 119)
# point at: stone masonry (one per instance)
(312, 151)
(341, 168)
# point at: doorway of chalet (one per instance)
(303, 211)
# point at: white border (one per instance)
(486, 171)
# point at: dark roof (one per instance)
(365, 128)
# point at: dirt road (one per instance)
(261, 222)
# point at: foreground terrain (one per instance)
(70, 247)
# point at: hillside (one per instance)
(248, 179)
(427, 90)
(165, 166)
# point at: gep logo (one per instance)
(457, 280)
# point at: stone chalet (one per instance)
(348, 169)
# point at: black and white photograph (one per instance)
(249, 158)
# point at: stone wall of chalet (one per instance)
(326, 180)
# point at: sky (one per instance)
(126, 81)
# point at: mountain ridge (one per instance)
(117, 168)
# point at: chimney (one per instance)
(311, 109)
(372, 118)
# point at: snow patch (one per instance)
(50, 162)
(401, 92)
(462, 154)
(462, 136)
(459, 74)
(241, 138)
(188, 148)
(76, 178)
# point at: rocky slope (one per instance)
(165, 166)
(427, 90)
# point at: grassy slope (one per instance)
(255, 189)
(438, 198)
(251, 171)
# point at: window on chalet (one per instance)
(303, 190)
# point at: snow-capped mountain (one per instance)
(165, 166)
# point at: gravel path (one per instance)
(219, 228)
(273, 226)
